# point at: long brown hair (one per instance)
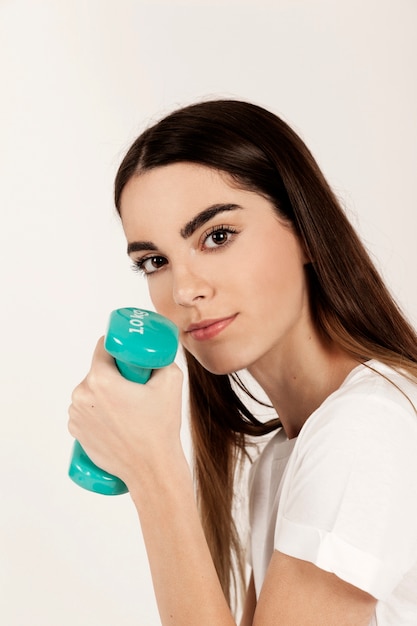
(350, 304)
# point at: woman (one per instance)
(246, 249)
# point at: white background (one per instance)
(79, 80)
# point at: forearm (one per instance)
(186, 585)
(145, 452)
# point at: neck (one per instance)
(298, 386)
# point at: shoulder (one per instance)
(367, 429)
(373, 399)
(348, 491)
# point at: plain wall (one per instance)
(79, 80)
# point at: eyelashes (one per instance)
(215, 238)
(149, 265)
(220, 236)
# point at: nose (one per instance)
(189, 287)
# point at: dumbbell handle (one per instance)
(139, 341)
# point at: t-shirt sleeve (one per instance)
(349, 500)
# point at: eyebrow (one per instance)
(137, 246)
(204, 216)
(190, 227)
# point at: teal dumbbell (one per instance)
(139, 341)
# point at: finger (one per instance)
(103, 366)
(101, 355)
(170, 375)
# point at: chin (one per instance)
(221, 367)
(218, 371)
(223, 359)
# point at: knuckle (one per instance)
(79, 394)
(97, 380)
(71, 429)
(71, 421)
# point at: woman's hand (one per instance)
(126, 428)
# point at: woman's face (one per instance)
(219, 264)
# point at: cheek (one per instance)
(280, 275)
(160, 293)
(157, 295)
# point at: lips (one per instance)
(207, 329)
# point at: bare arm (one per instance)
(143, 448)
(297, 593)
(185, 581)
(145, 451)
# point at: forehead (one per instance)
(177, 187)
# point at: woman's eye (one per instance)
(151, 264)
(219, 236)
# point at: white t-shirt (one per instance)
(343, 494)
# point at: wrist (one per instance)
(159, 477)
